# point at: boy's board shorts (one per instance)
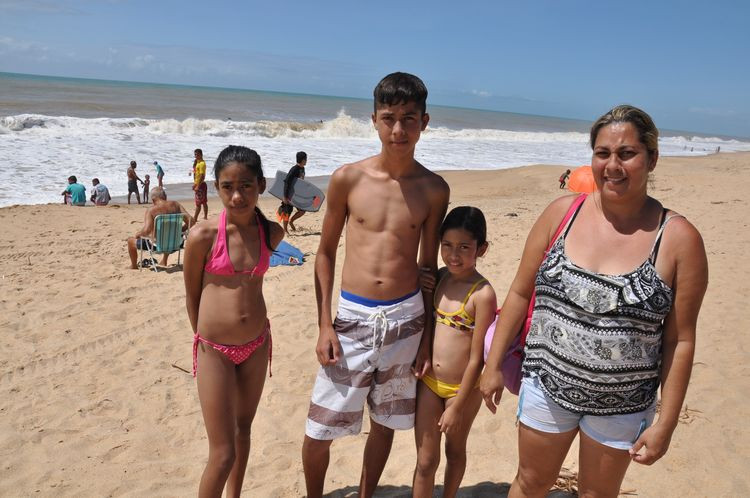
(201, 194)
(379, 342)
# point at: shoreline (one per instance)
(183, 191)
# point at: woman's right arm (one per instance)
(197, 246)
(516, 303)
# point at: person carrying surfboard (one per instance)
(295, 172)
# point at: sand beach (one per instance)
(98, 398)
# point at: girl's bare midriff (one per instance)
(240, 293)
(450, 354)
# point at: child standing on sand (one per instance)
(225, 259)
(146, 186)
(447, 396)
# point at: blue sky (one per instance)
(686, 63)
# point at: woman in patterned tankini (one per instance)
(617, 301)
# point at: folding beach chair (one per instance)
(168, 238)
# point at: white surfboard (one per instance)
(305, 195)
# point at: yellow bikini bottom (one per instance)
(442, 389)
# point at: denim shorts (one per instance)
(538, 411)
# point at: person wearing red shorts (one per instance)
(199, 185)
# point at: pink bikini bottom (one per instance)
(236, 353)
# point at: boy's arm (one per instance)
(328, 347)
(288, 185)
(428, 250)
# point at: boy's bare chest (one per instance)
(387, 207)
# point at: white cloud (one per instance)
(30, 50)
(142, 61)
(481, 93)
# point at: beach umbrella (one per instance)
(582, 180)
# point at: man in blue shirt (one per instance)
(75, 193)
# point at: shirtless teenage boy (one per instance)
(392, 207)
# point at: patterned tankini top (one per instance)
(595, 340)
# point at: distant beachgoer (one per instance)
(228, 316)
(99, 193)
(448, 397)
(609, 327)
(296, 172)
(199, 184)
(75, 193)
(146, 185)
(133, 180)
(377, 347)
(161, 206)
(159, 173)
(564, 178)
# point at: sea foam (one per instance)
(42, 151)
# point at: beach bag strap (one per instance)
(513, 358)
(573, 208)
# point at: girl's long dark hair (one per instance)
(251, 160)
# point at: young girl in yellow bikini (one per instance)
(447, 397)
(225, 259)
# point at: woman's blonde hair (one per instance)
(648, 134)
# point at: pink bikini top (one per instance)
(219, 262)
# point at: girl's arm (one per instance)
(485, 304)
(276, 235)
(199, 242)
(516, 303)
(678, 340)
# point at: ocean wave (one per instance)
(343, 126)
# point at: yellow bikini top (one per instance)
(460, 319)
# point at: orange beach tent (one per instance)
(582, 180)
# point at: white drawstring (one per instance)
(380, 318)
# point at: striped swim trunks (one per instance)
(379, 342)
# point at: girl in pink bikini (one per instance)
(225, 260)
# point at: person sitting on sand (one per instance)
(99, 193)
(161, 206)
(75, 193)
